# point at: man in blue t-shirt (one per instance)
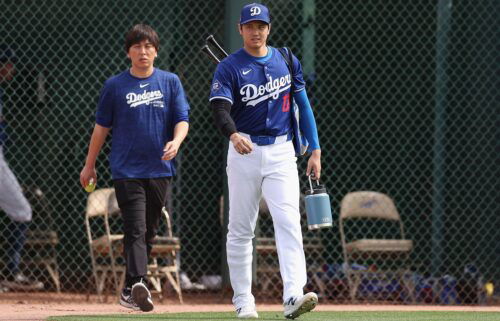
(149, 114)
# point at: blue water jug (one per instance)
(318, 208)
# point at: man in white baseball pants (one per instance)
(251, 98)
(279, 184)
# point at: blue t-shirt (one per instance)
(142, 113)
(259, 91)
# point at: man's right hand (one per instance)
(241, 144)
(86, 174)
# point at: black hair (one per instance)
(139, 33)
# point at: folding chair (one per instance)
(268, 271)
(105, 246)
(373, 236)
(108, 247)
(164, 261)
(41, 239)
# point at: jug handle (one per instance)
(310, 182)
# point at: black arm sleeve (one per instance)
(222, 118)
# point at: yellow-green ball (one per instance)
(90, 187)
(490, 288)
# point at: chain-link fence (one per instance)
(406, 100)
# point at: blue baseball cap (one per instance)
(255, 12)
(7, 54)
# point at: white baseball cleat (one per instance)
(247, 313)
(296, 306)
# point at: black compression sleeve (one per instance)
(222, 118)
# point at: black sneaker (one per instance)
(21, 282)
(142, 297)
(126, 299)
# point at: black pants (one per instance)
(140, 202)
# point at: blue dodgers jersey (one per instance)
(259, 91)
(142, 113)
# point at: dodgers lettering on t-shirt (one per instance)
(146, 97)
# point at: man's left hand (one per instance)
(170, 150)
(314, 164)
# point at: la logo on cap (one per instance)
(255, 11)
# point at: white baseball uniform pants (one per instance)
(269, 171)
(12, 200)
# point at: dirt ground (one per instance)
(40, 306)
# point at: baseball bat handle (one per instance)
(206, 50)
(211, 40)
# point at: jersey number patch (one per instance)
(285, 107)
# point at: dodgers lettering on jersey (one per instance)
(142, 113)
(252, 95)
(259, 91)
